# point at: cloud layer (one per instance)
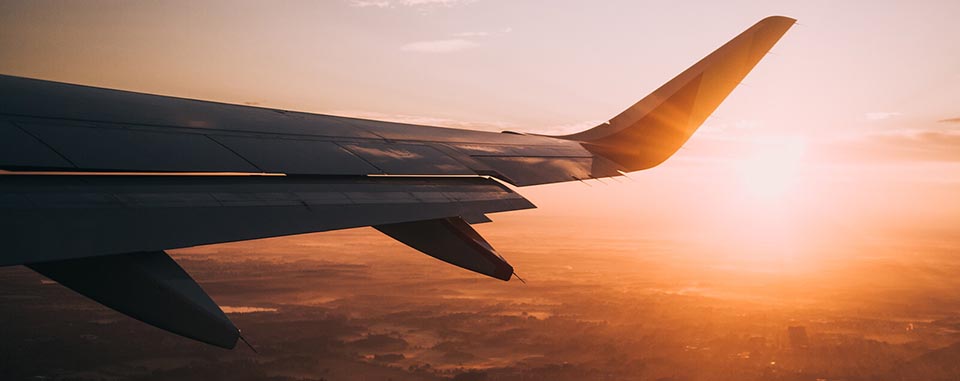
(439, 46)
(405, 3)
(881, 115)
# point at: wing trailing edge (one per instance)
(653, 129)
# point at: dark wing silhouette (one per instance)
(97, 183)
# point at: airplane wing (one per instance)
(97, 183)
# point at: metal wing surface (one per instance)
(96, 183)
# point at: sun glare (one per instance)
(770, 168)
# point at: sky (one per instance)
(845, 136)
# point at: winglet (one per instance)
(653, 129)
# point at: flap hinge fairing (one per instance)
(149, 287)
(451, 240)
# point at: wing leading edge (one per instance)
(95, 183)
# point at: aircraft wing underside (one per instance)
(96, 183)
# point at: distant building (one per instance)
(798, 337)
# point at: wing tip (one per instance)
(778, 18)
(653, 129)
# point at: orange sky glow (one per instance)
(842, 141)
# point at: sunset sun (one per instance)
(769, 168)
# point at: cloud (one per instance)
(432, 2)
(565, 129)
(367, 4)
(724, 129)
(495, 126)
(460, 41)
(406, 3)
(439, 46)
(905, 145)
(482, 34)
(950, 120)
(881, 115)
(471, 34)
(890, 147)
